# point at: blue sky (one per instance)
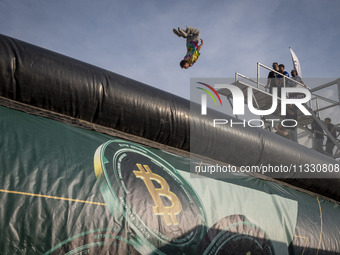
(135, 39)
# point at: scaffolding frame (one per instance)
(261, 97)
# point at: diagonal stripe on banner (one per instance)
(53, 197)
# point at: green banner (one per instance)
(67, 190)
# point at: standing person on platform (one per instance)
(318, 136)
(296, 78)
(291, 121)
(281, 82)
(297, 82)
(329, 144)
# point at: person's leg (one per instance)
(294, 134)
(182, 32)
(315, 144)
(329, 148)
(270, 89)
(279, 91)
(290, 133)
(193, 34)
(319, 145)
(176, 32)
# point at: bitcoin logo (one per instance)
(168, 212)
(160, 207)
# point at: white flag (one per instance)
(296, 62)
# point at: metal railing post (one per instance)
(258, 75)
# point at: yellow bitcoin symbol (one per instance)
(168, 212)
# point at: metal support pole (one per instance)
(258, 75)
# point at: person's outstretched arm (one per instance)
(200, 46)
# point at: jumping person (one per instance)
(193, 37)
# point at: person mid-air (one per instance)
(193, 37)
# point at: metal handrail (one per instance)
(244, 77)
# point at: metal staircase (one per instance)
(318, 104)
